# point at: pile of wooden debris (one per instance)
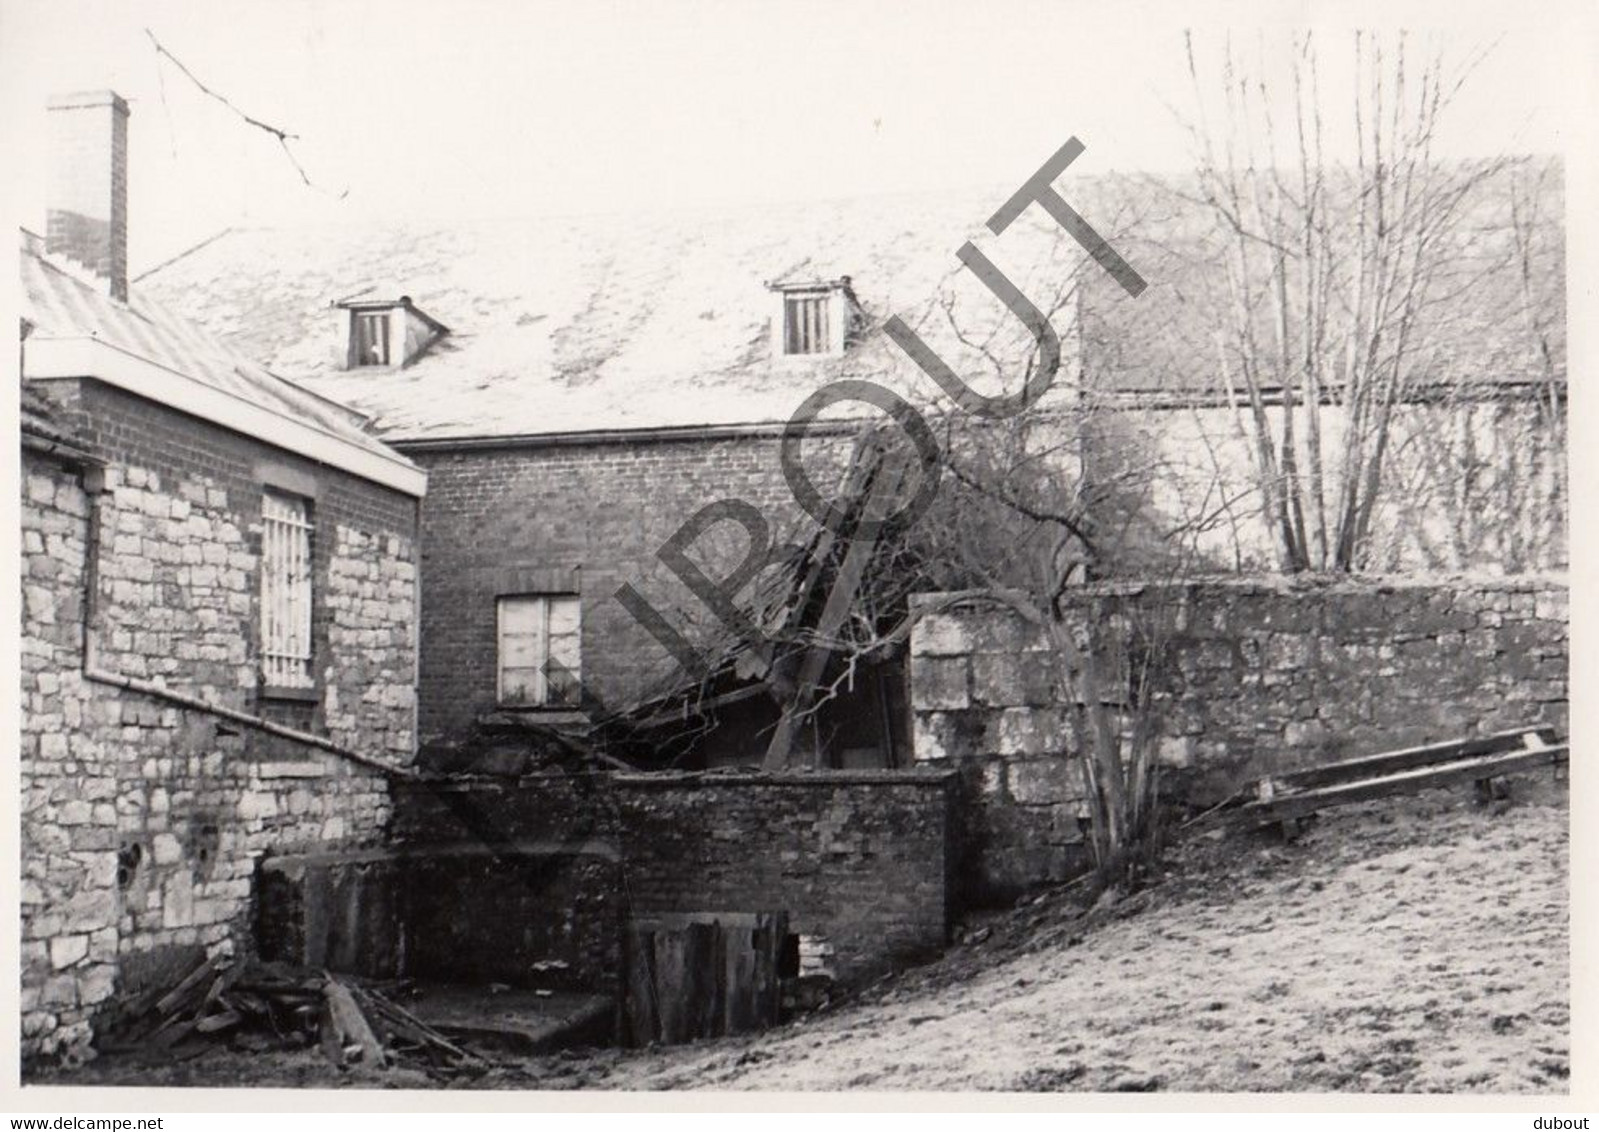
(258, 1006)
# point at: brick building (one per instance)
(603, 378)
(219, 581)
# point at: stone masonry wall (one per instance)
(1263, 676)
(143, 820)
(858, 859)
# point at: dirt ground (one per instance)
(1408, 945)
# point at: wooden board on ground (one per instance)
(701, 975)
(1295, 804)
(1411, 758)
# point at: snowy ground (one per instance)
(1413, 945)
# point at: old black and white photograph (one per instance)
(795, 550)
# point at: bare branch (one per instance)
(283, 136)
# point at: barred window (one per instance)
(539, 649)
(285, 591)
(806, 328)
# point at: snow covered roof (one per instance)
(581, 324)
(174, 358)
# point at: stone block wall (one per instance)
(143, 819)
(1260, 676)
(858, 859)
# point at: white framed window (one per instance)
(369, 338)
(540, 647)
(807, 322)
(286, 570)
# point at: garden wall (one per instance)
(1259, 676)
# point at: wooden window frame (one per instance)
(544, 697)
(382, 320)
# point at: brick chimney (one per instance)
(88, 219)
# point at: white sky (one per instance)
(493, 107)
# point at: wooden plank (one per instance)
(739, 958)
(344, 1026)
(173, 998)
(882, 483)
(1410, 758)
(670, 957)
(767, 943)
(212, 1023)
(172, 1031)
(643, 1024)
(696, 975)
(1286, 806)
(315, 904)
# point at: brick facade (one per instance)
(589, 517)
(582, 518)
(1264, 676)
(143, 819)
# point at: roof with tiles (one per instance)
(58, 302)
(581, 324)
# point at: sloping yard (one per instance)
(1415, 944)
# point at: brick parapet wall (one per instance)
(181, 802)
(858, 858)
(1266, 675)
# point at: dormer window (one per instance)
(814, 319)
(385, 334)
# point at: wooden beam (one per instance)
(866, 484)
(1285, 807)
(1411, 758)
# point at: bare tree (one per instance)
(1333, 273)
(1487, 463)
(1020, 522)
(1093, 568)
